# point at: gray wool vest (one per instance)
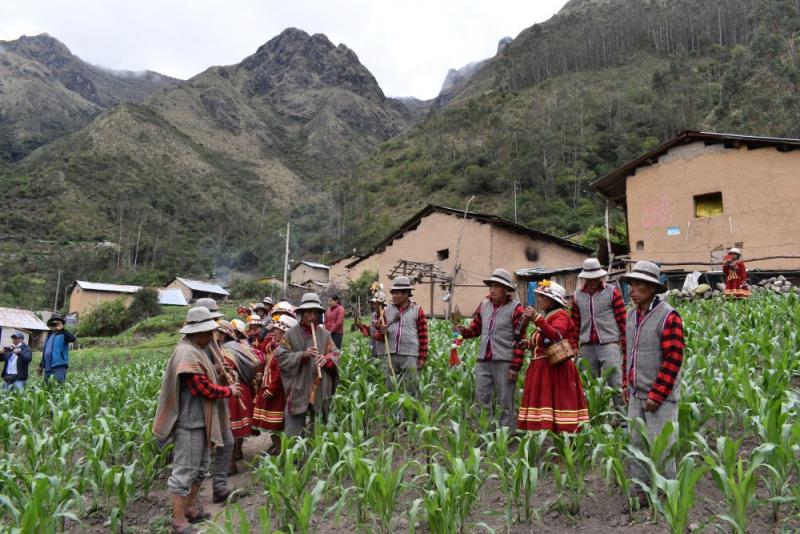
(644, 349)
(498, 326)
(597, 309)
(401, 331)
(190, 410)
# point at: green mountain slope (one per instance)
(46, 92)
(572, 98)
(200, 176)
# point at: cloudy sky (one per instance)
(408, 45)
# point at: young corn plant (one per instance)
(679, 494)
(736, 478)
(573, 456)
(454, 490)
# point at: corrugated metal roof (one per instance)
(171, 297)
(204, 287)
(315, 265)
(24, 319)
(111, 288)
(546, 271)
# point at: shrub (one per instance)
(145, 304)
(106, 319)
(252, 289)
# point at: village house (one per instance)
(691, 198)
(87, 295)
(16, 321)
(195, 289)
(307, 273)
(424, 248)
(339, 274)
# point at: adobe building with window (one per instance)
(425, 248)
(691, 198)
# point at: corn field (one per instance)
(387, 462)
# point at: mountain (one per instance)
(204, 174)
(572, 98)
(46, 92)
(457, 79)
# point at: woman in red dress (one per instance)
(553, 397)
(270, 401)
(734, 270)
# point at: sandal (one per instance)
(188, 529)
(199, 517)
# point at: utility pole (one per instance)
(58, 289)
(286, 263)
(456, 266)
(517, 185)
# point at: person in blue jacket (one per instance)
(16, 358)
(55, 354)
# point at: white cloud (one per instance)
(408, 46)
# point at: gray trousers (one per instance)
(654, 422)
(190, 460)
(602, 357)
(222, 457)
(492, 386)
(405, 373)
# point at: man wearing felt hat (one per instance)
(599, 313)
(55, 353)
(651, 374)
(16, 358)
(403, 332)
(191, 410)
(221, 455)
(497, 321)
(309, 364)
(267, 302)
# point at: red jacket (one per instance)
(334, 319)
(556, 325)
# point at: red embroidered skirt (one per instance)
(241, 419)
(268, 412)
(553, 398)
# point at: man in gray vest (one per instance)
(222, 455)
(309, 370)
(403, 331)
(651, 374)
(599, 313)
(497, 321)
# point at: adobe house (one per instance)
(339, 274)
(424, 248)
(196, 289)
(16, 321)
(87, 295)
(691, 198)
(306, 272)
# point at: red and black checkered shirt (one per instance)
(200, 386)
(672, 346)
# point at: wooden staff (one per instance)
(386, 340)
(313, 395)
(226, 376)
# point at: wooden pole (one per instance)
(386, 341)
(456, 266)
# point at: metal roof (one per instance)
(545, 271)
(314, 265)
(496, 220)
(111, 288)
(612, 185)
(169, 296)
(24, 319)
(203, 287)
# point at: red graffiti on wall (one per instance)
(655, 214)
